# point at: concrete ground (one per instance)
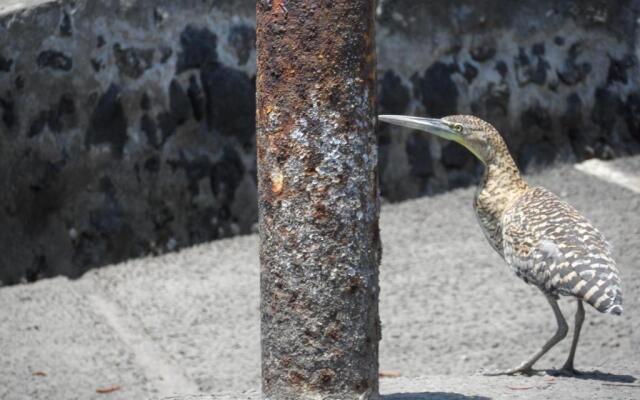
(187, 323)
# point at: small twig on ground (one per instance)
(389, 374)
(520, 387)
(109, 389)
(39, 373)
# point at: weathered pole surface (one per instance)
(319, 204)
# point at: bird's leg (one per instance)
(561, 333)
(567, 369)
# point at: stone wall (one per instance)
(127, 126)
(559, 79)
(127, 129)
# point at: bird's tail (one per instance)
(605, 298)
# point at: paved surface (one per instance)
(187, 323)
(475, 387)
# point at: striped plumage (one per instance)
(544, 240)
(549, 245)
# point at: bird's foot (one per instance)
(525, 370)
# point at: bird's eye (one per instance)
(457, 128)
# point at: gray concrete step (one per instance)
(188, 322)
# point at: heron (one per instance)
(545, 241)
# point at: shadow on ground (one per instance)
(432, 396)
(597, 376)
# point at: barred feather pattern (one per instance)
(549, 244)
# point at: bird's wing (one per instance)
(549, 244)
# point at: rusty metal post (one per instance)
(317, 177)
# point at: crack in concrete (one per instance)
(162, 375)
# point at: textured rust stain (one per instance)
(317, 174)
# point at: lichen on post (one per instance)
(319, 203)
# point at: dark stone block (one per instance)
(522, 59)
(242, 39)
(230, 102)
(536, 126)
(559, 40)
(167, 124)
(502, 68)
(199, 48)
(538, 49)
(160, 15)
(459, 179)
(455, 155)
(107, 187)
(179, 103)
(89, 250)
(19, 82)
(632, 114)
(8, 112)
(196, 169)
(530, 71)
(537, 74)
(439, 91)
(606, 108)
(66, 105)
(537, 154)
(55, 60)
(54, 116)
(207, 224)
(96, 64)
(132, 62)
(419, 154)
(618, 68)
(226, 174)
(573, 72)
(152, 164)
(165, 54)
(5, 64)
(572, 117)
(482, 53)
(196, 97)
(38, 124)
(108, 122)
(145, 102)
(108, 219)
(493, 103)
(65, 25)
(470, 72)
(38, 269)
(536, 117)
(162, 217)
(573, 126)
(394, 96)
(148, 126)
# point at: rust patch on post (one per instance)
(319, 206)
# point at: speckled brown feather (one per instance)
(550, 245)
(543, 239)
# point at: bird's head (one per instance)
(478, 136)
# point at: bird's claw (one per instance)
(526, 371)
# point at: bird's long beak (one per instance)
(431, 125)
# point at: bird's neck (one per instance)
(501, 185)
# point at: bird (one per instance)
(545, 241)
